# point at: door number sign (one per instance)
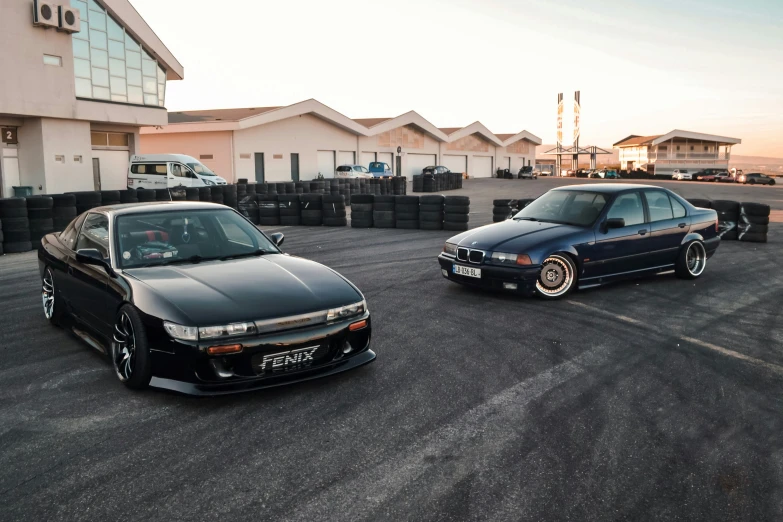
(9, 135)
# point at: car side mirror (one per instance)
(91, 256)
(614, 223)
(278, 238)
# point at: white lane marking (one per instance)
(479, 431)
(714, 347)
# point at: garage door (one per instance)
(326, 163)
(482, 167)
(415, 163)
(113, 168)
(388, 158)
(455, 163)
(367, 158)
(347, 158)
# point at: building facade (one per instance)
(73, 98)
(664, 153)
(303, 140)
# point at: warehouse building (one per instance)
(74, 91)
(303, 140)
(678, 149)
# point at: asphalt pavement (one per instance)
(655, 399)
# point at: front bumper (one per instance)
(493, 277)
(265, 361)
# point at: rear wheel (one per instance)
(557, 277)
(692, 261)
(130, 352)
(752, 182)
(771, 182)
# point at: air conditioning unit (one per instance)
(44, 14)
(69, 19)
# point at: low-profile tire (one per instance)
(130, 352)
(557, 278)
(771, 182)
(53, 310)
(691, 261)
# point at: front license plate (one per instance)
(467, 271)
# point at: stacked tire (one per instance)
(418, 183)
(753, 222)
(383, 211)
(728, 216)
(216, 194)
(311, 210)
(148, 195)
(192, 194)
(126, 196)
(230, 196)
(456, 213)
(87, 200)
(15, 226)
(501, 210)
(431, 212)
(249, 208)
(110, 197)
(334, 214)
(63, 210)
(362, 211)
(290, 211)
(162, 195)
(41, 217)
(406, 209)
(268, 210)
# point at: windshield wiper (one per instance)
(525, 218)
(255, 253)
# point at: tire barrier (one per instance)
(63, 210)
(230, 196)
(362, 211)
(437, 182)
(110, 197)
(333, 208)
(431, 212)
(753, 222)
(86, 200)
(728, 216)
(40, 214)
(192, 194)
(383, 211)
(406, 209)
(268, 211)
(290, 210)
(456, 212)
(205, 194)
(503, 209)
(15, 226)
(178, 194)
(129, 196)
(312, 210)
(216, 194)
(248, 207)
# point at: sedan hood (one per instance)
(513, 236)
(256, 288)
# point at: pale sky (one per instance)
(643, 67)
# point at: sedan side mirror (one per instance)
(278, 238)
(614, 223)
(91, 256)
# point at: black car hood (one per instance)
(256, 288)
(514, 236)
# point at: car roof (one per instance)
(156, 206)
(608, 188)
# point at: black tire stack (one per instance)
(250, 190)
(383, 211)
(262, 188)
(146, 195)
(399, 186)
(290, 210)
(268, 211)
(456, 213)
(362, 210)
(192, 194)
(418, 183)
(40, 214)
(728, 216)
(216, 194)
(110, 197)
(406, 209)
(15, 226)
(519, 204)
(501, 210)
(311, 210)
(178, 193)
(753, 222)
(162, 195)
(230, 196)
(63, 210)
(431, 212)
(128, 196)
(248, 207)
(86, 200)
(334, 211)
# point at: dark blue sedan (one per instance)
(584, 236)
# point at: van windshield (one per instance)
(201, 170)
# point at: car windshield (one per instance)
(567, 207)
(187, 236)
(201, 170)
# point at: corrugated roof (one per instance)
(449, 130)
(370, 122)
(217, 115)
(637, 140)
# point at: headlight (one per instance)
(502, 258)
(450, 249)
(229, 330)
(344, 312)
(183, 333)
(208, 182)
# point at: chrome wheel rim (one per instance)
(47, 294)
(556, 277)
(696, 258)
(124, 352)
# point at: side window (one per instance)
(68, 237)
(95, 234)
(155, 169)
(679, 210)
(659, 206)
(177, 170)
(629, 207)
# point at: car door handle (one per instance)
(681, 225)
(642, 232)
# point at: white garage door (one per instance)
(388, 158)
(482, 167)
(326, 163)
(455, 163)
(346, 158)
(415, 163)
(113, 165)
(517, 163)
(367, 158)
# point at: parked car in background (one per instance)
(380, 170)
(435, 170)
(527, 173)
(352, 171)
(724, 177)
(682, 175)
(157, 171)
(544, 173)
(756, 178)
(707, 174)
(604, 174)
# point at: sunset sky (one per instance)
(642, 67)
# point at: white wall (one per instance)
(374, 144)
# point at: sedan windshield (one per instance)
(568, 207)
(187, 236)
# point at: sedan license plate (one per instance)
(467, 271)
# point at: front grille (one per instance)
(462, 254)
(476, 256)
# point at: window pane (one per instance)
(150, 87)
(84, 34)
(131, 44)
(98, 21)
(97, 39)
(95, 234)
(118, 140)
(161, 94)
(101, 92)
(119, 98)
(133, 59)
(134, 77)
(94, 6)
(99, 139)
(148, 68)
(81, 49)
(118, 86)
(115, 31)
(161, 75)
(679, 210)
(81, 68)
(628, 207)
(117, 67)
(135, 95)
(116, 50)
(83, 88)
(99, 58)
(658, 205)
(150, 99)
(100, 77)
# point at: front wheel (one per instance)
(771, 182)
(52, 307)
(692, 261)
(557, 277)
(752, 182)
(130, 353)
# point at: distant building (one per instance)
(676, 150)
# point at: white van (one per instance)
(154, 171)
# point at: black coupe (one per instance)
(584, 236)
(192, 297)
